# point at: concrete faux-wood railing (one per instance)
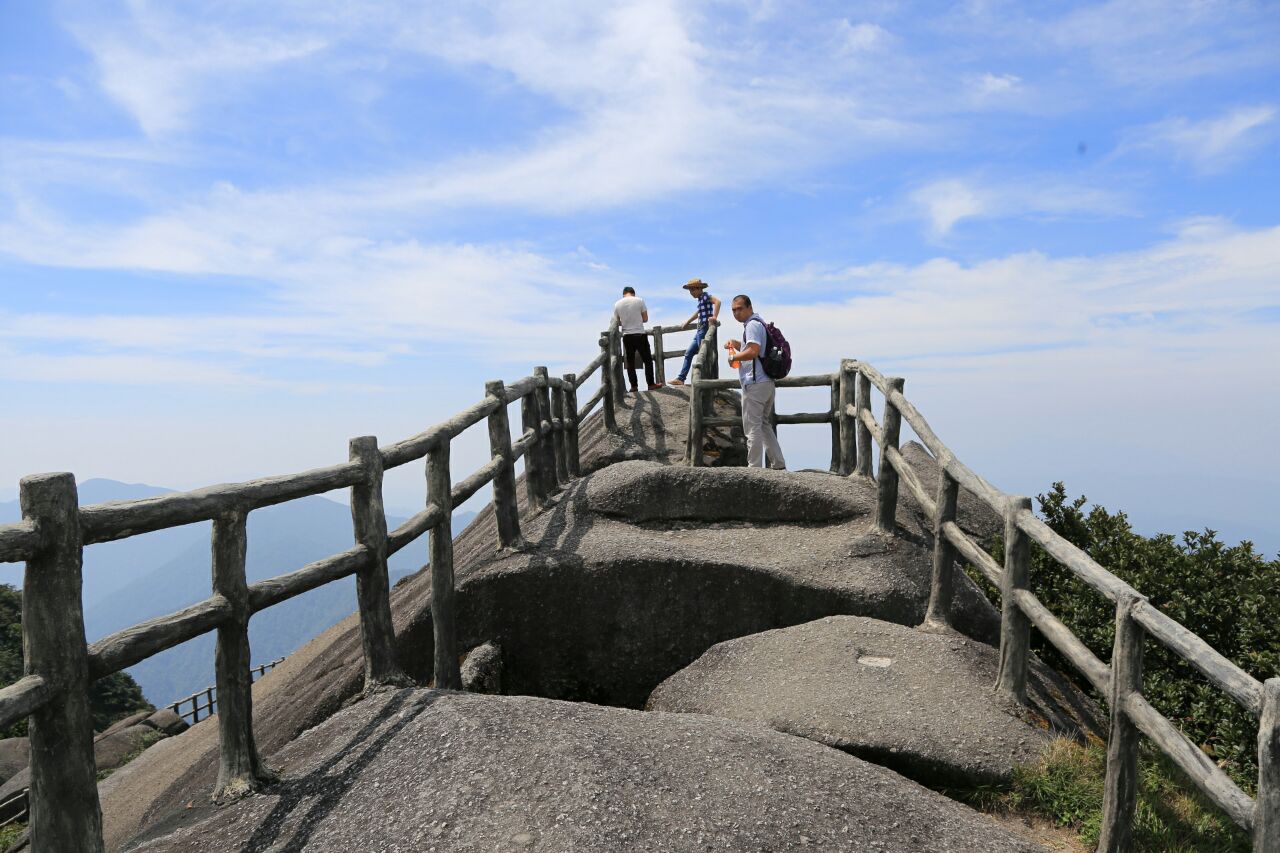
(60, 667)
(855, 432)
(207, 700)
(65, 813)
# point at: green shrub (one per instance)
(1229, 596)
(1066, 787)
(110, 698)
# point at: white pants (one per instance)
(757, 409)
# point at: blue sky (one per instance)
(233, 235)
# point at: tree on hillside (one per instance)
(110, 698)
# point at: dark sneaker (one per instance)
(656, 386)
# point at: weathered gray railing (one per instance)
(1136, 619)
(60, 667)
(702, 413)
(207, 700)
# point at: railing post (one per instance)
(848, 432)
(836, 446)
(1266, 814)
(240, 770)
(571, 449)
(864, 432)
(439, 488)
(373, 587)
(63, 800)
(713, 332)
(606, 382)
(887, 489)
(659, 360)
(695, 415)
(617, 355)
(560, 435)
(505, 511)
(1015, 628)
(546, 443)
(534, 480)
(944, 553)
(1120, 794)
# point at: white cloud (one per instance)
(995, 85)
(157, 63)
(1212, 144)
(1161, 42)
(1191, 296)
(864, 36)
(945, 202)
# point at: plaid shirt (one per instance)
(704, 308)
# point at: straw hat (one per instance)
(696, 284)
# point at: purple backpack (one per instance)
(776, 357)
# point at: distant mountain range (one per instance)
(135, 579)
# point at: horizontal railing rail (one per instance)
(54, 530)
(1136, 619)
(210, 695)
(65, 815)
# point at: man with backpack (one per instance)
(753, 354)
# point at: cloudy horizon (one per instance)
(232, 237)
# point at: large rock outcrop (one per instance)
(916, 701)
(428, 770)
(599, 606)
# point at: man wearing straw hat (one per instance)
(708, 311)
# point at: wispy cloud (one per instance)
(158, 63)
(1211, 144)
(945, 202)
(1191, 298)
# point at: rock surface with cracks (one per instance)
(593, 607)
(426, 770)
(919, 702)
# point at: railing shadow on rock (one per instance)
(65, 813)
(855, 433)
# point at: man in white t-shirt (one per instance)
(757, 388)
(632, 314)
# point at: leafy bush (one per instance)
(110, 698)
(1229, 596)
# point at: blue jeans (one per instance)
(692, 351)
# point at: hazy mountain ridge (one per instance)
(136, 579)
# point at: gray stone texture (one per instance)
(915, 701)
(482, 670)
(15, 754)
(138, 718)
(647, 491)
(166, 721)
(428, 770)
(596, 608)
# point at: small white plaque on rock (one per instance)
(870, 660)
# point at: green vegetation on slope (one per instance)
(1067, 787)
(1229, 596)
(110, 698)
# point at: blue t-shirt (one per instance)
(753, 371)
